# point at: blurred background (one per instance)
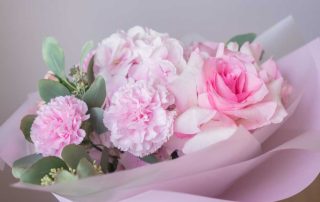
(25, 23)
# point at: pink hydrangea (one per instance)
(138, 54)
(58, 124)
(138, 117)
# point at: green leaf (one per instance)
(150, 159)
(25, 126)
(49, 89)
(242, 38)
(96, 94)
(86, 48)
(22, 164)
(53, 56)
(96, 117)
(41, 168)
(104, 161)
(65, 176)
(85, 168)
(72, 154)
(90, 73)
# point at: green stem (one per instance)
(66, 83)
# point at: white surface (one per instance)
(24, 23)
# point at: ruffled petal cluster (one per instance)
(59, 124)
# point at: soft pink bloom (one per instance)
(160, 56)
(58, 124)
(138, 117)
(232, 84)
(223, 89)
(139, 54)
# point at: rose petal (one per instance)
(255, 116)
(190, 121)
(211, 133)
(184, 87)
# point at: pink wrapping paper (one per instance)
(266, 166)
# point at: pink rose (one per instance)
(58, 124)
(138, 117)
(218, 93)
(232, 84)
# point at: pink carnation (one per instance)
(58, 124)
(138, 117)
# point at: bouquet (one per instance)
(142, 111)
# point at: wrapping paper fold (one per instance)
(271, 164)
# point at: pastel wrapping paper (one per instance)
(245, 167)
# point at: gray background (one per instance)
(23, 25)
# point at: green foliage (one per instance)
(86, 48)
(85, 168)
(150, 159)
(41, 168)
(65, 176)
(49, 89)
(53, 56)
(242, 38)
(96, 94)
(96, 118)
(22, 164)
(90, 73)
(72, 154)
(25, 126)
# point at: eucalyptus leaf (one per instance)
(42, 167)
(90, 73)
(96, 94)
(242, 38)
(85, 168)
(25, 126)
(150, 159)
(22, 164)
(49, 89)
(53, 56)
(96, 118)
(72, 154)
(86, 48)
(65, 176)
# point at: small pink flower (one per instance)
(58, 124)
(138, 117)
